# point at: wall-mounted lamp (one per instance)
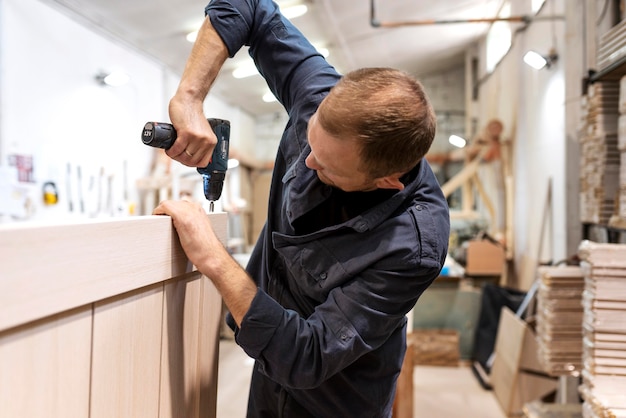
(538, 61)
(457, 141)
(114, 79)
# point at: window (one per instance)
(498, 39)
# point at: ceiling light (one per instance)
(457, 141)
(247, 69)
(192, 36)
(538, 61)
(269, 97)
(114, 79)
(291, 12)
(323, 51)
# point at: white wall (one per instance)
(531, 105)
(52, 109)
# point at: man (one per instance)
(357, 226)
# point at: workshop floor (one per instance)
(449, 392)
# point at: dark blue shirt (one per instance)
(337, 272)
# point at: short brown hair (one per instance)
(387, 111)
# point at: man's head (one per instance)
(375, 125)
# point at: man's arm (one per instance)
(195, 136)
(207, 253)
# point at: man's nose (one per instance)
(311, 162)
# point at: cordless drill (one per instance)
(163, 135)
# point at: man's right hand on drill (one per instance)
(196, 140)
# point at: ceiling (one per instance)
(159, 27)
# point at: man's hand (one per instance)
(194, 231)
(195, 139)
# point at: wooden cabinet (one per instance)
(102, 319)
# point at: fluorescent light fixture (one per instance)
(192, 36)
(114, 79)
(323, 51)
(297, 10)
(538, 61)
(457, 141)
(247, 69)
(269, 97)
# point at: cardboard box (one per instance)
(484, 258)
(517, 376)
(434, 347)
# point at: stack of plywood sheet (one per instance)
(600, 158)
(604, 328)
(612, 46)
(559, 328)
(619, 219)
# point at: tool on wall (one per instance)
(50, 193)
(163, 135)
(69, 188)
(79, 179)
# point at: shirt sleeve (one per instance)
(291, 66)
(355, 319)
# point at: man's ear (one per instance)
(389, 182)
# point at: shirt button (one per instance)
(418, 207)
(323, 276)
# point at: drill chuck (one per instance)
(163, 135)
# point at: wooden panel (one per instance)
(126, 359)
(44, 367)
(87, 328)
(189, 370)
(47, 269)
(208, 351)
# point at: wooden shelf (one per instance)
(592, 231)
(613, 72)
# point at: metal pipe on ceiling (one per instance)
(520, 19)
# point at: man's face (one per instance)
(336, 161)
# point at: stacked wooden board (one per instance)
(612, 46)
(559, 329)
(600, 158)
(603, 385)
(619, 219)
